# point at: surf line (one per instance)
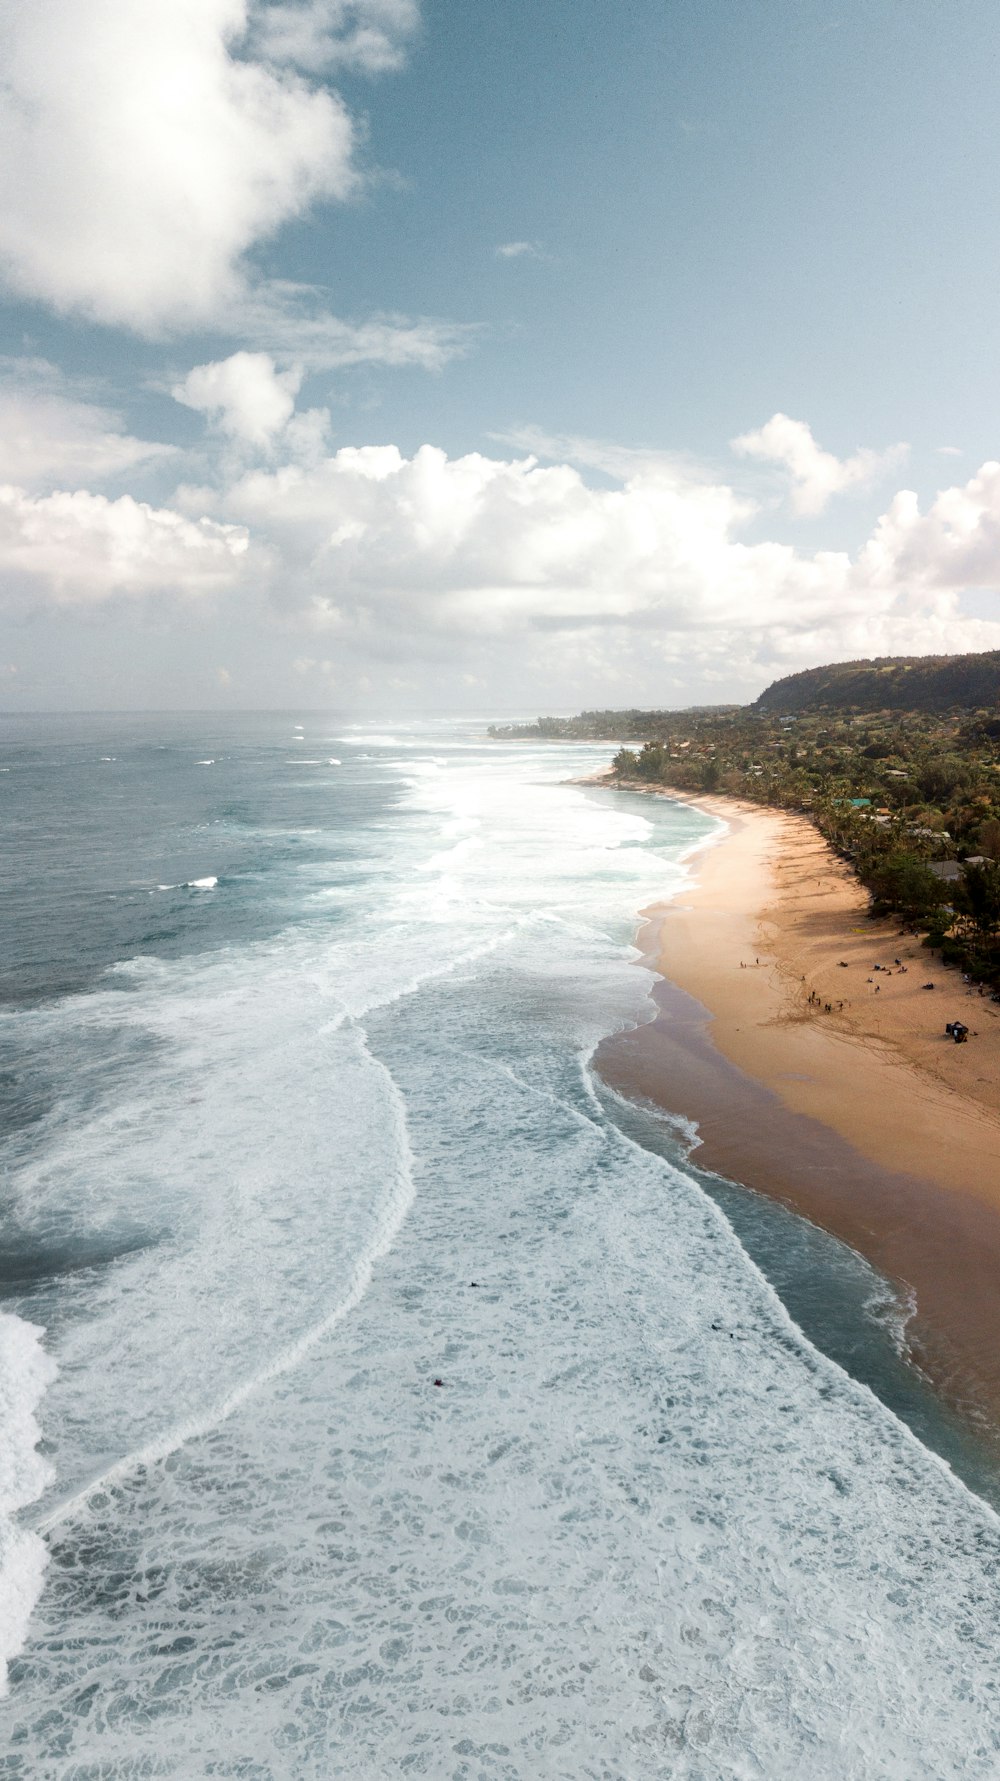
(193, 1430)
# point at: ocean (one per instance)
(379, 1394)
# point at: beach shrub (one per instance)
(653, 762)
(977, 901)
(903, 882)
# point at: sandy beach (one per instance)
(825, 1082)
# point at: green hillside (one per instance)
(889, 683)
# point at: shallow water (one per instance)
(311, 1128)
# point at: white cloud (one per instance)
(148, 146)
(951, 451)
(371, 35)
(479, 543)
(293, 321)
(306, 439)
(816, 474)
(518, 250)
(619, 461)
(245, 395)
(954, 545)
(502, 568)
(250, 398)
(436, 555)
(48, 438)
(142, 156)
(83, 550)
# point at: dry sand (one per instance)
(867, 1118)
(880, 1069)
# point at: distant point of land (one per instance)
(895, 760)
(889, 683)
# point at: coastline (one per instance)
(864, 1118)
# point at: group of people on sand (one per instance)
(816, 1001)
(896, 969)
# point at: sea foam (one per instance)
(25, 1372)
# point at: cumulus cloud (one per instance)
(816, 475)
(83, 550)
(148, 146)
(480, 542)
(954, 545)
(143, 150)
(245, 395)
(489, 564)
(430, 553)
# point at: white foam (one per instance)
(390, 1217)
(189, 884)
(205, 763)
(894, 1308)
(374, 740)
(25, 1372)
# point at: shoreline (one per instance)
(862, 1117)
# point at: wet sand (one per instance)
(866, 1119)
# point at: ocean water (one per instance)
(378, 1394)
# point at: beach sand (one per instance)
(866, 1119)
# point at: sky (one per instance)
(428, 356)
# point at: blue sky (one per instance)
(393, 355)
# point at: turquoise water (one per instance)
(298, 1122)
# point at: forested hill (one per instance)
(889, 683)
